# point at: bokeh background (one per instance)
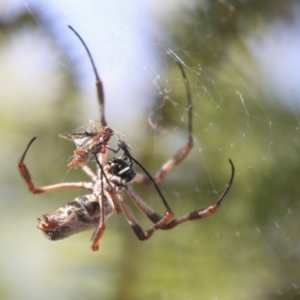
(242, 59)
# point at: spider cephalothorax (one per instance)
(118, 168)
(112, 181)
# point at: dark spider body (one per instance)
(119, 168)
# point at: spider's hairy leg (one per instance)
(99, 85)
(108, 187)
(24, 171)
(102, 199)
(154, 217)
(131, 219)
(139, 202)
(182, 152)
(50, 188)
(88, 171)
(204, 212)
(101, 226)
(139, 232)
(105, 195)
(105, 201)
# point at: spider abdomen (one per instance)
(79, 215)
(118, 167)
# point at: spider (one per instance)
(112, 179)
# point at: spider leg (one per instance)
(110, 188)
(198, 214)
(167, 166)
(99, 231)
(139, 232)
(101, 226)
(99, 85)
(204, 212)
(124, 184)
(169, 213)
(111, 191)
(131, 219)
(138, 201)
(106, 201)
(106, 196)
(50, 188)
(182, 152)
(88, 171)
(101, 199)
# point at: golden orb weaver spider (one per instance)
(112, 179)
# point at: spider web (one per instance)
(241, 60)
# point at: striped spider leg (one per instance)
(198, 214)
(185, 149)
(176, 159)
(90, 143)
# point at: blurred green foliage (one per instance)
(248, 250)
